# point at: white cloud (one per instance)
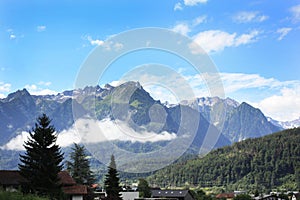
(284, 106)
(237, 81)
(118, 46)
(246, 38)
(92, 131)
(40, 28)
(4, 87)
(182, 28)
(12, 36)
(185, 27)
(249, 16)
(178, 6)
(68, 137)
(94, 41)
(17, 142)
(217, 40)
(234, 82)
(199, 20)
(48, 83)
(283, 32)
(281, 99)
(35, 90)
(194, 2)
(108, 45)
(115, 83)
(295, 10)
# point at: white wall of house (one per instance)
(129, 195)
(77, 197)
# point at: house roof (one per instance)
(169, 193)
(75, 189)
(11, 177)
(225, 195)
(65, 178)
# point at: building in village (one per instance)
(11, 180)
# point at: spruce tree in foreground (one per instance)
(144, 189)
(79, 166)
(42, 160)
(112, 185)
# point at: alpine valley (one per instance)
(130, 106)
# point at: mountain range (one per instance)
(132, 108)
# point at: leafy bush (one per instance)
(19, 196)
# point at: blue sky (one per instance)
(254, 44)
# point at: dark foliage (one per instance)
(144, 189)
(79, 166)
(112, 185)
(42, 160)
(262, 163)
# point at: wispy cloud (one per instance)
(185, 27)
(41, 28)
(283, 32)
(295, 10)
(108, 44)
(194, 2)
(199, 20)
(217, 40)
(182, 28)
(281, 100)
(178, 6)
(92, 41)
(12, 36)
(277, 99)
(249, 16)
(39, 90)
(48, 83)
(4, 88)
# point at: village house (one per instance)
(172, 194)
(227, 196)
(11, 180)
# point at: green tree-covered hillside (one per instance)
(268, 162)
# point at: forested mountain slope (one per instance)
(266, 162)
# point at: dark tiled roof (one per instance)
(225, 195)
(11, 177)
(65, 178)
(169, 193)
(75, 189)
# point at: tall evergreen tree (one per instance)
(42, 160)
(112, 185)
(144, 189)
(79, 166)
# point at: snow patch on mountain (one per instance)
(287, 124)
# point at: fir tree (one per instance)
(111, 183)
(42, 160)
(144, 189)
(79, 166)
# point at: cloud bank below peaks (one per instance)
(93, 131)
